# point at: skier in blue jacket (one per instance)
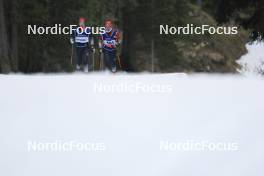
(83, 41)
(108, 43)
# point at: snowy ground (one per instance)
(253, 62)
(131, 116)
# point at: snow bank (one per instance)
(131, 119)
(253, 62)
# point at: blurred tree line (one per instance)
(143, 49)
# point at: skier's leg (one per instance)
(113, 61)
(86, 59)
(89, 56)
(78, 58)
(107, 59)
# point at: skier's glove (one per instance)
(93, 49)
(118, 44)
(72, 41)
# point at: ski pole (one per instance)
(93, 50)
(71, 54)
(101, 61)
(119, 62)
(93, 61)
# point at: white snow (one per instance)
(131, 123)
(253, 62)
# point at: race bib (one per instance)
(81, 39)
(110, 42)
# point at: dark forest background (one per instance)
(143, 49)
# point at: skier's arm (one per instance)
(72, 38)
(118, 39)
(92, 43)
(100, 45)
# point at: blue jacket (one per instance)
(110, 41)
(82, 39)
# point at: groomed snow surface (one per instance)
(128, 117)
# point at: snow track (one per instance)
(131, 115)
